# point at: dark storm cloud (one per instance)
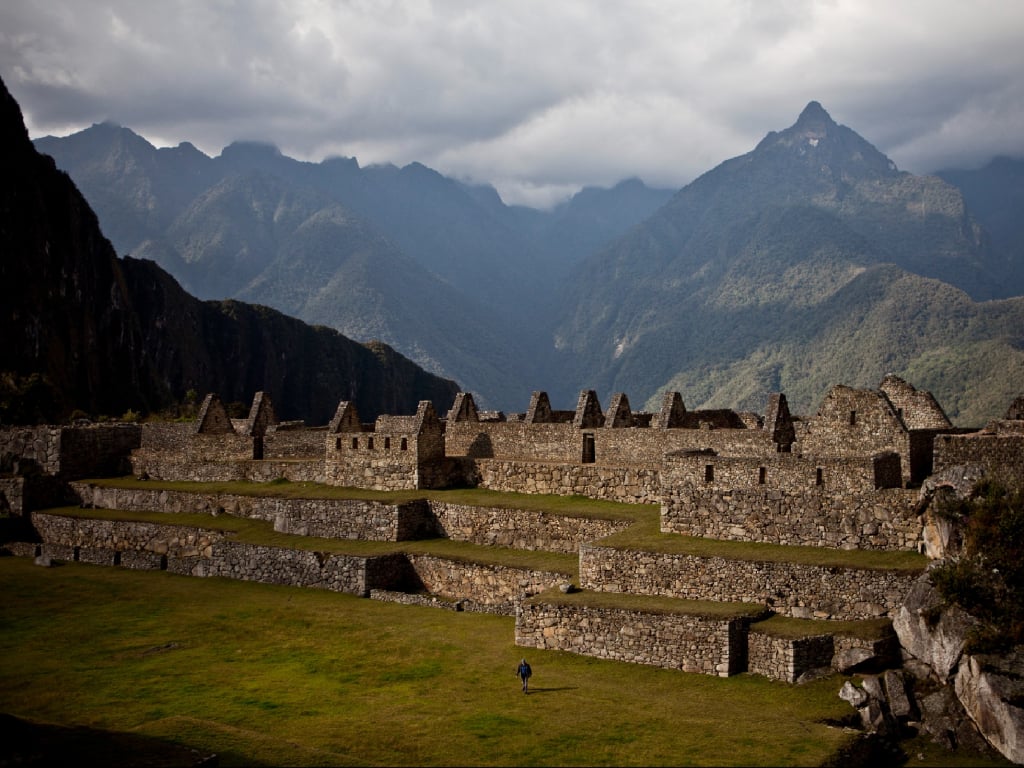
(538, 98)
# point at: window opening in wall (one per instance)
(709, 473)
(589, 452)
(818, 476)
(337, 443)
(355, 443)
(257, 448)
(853, 418)
(387, 443)
(405, 445)
(762, 475)
(369, 443)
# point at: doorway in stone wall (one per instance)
(588, 449)
(257, 447)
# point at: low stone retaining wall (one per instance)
(158, 467)
(712, 646)
(500, 586)
(784, 658)
(372, 520)
(791, 589)
(520, 528)
(325, 518)
(885, 519)
(596, 481)
(201, 552)
(175, 541)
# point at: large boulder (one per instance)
(991, 689)
(931, 632)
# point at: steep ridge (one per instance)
(83, 330)
(459, 282)
(753, 278)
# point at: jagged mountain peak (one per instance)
(814, 118)
(824, 145)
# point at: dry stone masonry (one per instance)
(859, 474)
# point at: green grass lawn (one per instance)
(262, 674)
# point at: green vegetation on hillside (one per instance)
(988, 580)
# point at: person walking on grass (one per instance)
(524, 672)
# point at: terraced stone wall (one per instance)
(880, 520)
(494, 585)
(597, 481)
(693, 643)
(520, 528)
(782, 658)
(791, 589)
(202, 552)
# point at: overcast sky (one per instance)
(537, 97)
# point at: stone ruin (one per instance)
(858, 474)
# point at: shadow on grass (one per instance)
(25, 743)
(553, 690)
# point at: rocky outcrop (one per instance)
(931, 633)
(959, 700)
(991, 689)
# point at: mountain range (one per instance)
(809, 261)
(84, 331)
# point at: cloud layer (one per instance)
(537, 98)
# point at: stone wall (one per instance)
(791, 589)
(629, 446)
(196, 551)
(40, 444)
(326, 518)
(162, 467)
(1002, 456)
(684, 471)
(784, 658)
(494, 585)
(596, 481)
(693, 643)
(95, 450)
(884, 519)
(520, 528)
(290, 442)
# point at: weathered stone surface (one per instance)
(991, 691)
(857, 697)
(932, 635)
(896, 694)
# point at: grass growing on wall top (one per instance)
(261, 532)
(269, 675)
(580, 506)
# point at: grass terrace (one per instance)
(261, 532)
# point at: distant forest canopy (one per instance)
(809, 261)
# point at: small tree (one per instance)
(987, 580)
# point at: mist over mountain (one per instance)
(443, 271)
(85, 331)
(809, 261)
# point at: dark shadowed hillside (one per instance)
(85, 331)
